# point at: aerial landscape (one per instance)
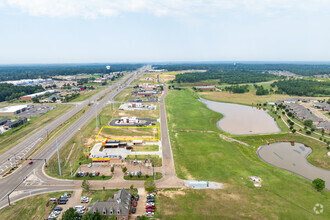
(164, 110)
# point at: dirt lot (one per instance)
(123, 133)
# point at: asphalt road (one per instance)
(42, 183)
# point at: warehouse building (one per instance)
(13, 110)
(39, 94)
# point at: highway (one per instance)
(40, 183)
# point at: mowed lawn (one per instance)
(30, 208)
(205, 156)
(249, 98)
(128, 133)
(16, 135)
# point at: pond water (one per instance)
(292, 157)
(241, 119)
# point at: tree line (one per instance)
(9, 91)
(299, 69)
(301, 87)
(225, 77)
(17, 72)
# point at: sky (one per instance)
(92, 31)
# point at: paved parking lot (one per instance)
(139, 166)
(103, 168)
(36, 110)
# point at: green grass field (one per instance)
(146, 148)
(124, 133)
(34, 207)
(87, 94)
(205, 156)
(16, 135)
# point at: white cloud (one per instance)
(97, 8)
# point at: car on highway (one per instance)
(31, 162)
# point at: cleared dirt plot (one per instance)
(129, 133)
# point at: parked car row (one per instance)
(136, 173)
(135, 199)
(150, 205)
(82, 173)
(64, 199)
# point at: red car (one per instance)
(150, 207)
(31, 162)
(150, 210)
(134, 203)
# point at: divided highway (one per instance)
(47, 184)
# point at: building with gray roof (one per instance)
(119, 205)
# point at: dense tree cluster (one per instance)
(300, 69)
(225, 77)
(237, 89)
(261, 90)
(9, 91)
(16, 72)
(301, 87)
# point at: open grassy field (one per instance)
(249, 98)
(16, 135)
(129, 133)
(124, 95)
(87, 94)
(145, 148)
(34, 207)
(201, 154)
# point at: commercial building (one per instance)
(119, 205)
(14, 124)
(39, 94)
(136, 106)
(4, 121)
(205, 87)
(13, 110)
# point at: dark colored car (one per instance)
(133, 210)
(62, 202)
(134, 203)
(63, 199)
(86, 174)
(68, 195)
(150, 200)
(97, 174)
(58, 209)
(137, 197)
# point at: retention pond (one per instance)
(291, 156)
(241, 119)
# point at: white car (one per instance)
(89, 165)
(55, 212)
(150, 203)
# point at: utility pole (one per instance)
(15, 189)
(97, 126)
(58, 156)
